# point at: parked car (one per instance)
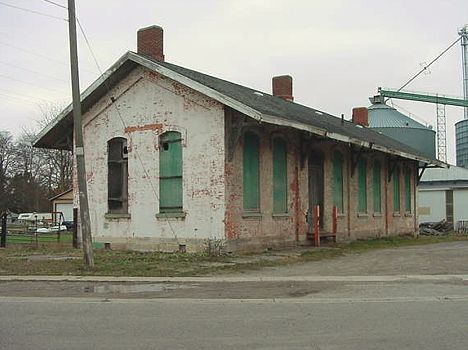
(52, 229)
(69, 224)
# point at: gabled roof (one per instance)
(452, 174)
(57, 196)
(255, 104)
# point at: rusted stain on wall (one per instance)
(147, 127)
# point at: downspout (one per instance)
(296, 195)
(348, 180)
(386, 196)
(415, 195)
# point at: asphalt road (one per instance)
(68, 323)
(407, 298)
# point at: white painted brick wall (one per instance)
(146, 99)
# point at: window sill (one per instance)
(253, 215)
(396, 214)
(408, 215)
(340, 215)
(173, 215)
(363, 215)
(117, 216)
(280, 215)
(377, 215)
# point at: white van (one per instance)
(33, 217)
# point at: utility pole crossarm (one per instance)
(423, 97)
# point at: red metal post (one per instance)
(317, 225)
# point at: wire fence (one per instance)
(36, 232)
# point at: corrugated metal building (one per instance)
(443, 194)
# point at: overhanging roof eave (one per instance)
(343, 138)
(67, 113)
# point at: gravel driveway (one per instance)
(433, 259)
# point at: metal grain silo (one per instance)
(461, 136)
(461, 128)
(400, 127)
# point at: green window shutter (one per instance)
(362, 186)
(338, 181)
(396, 190)
(408, 190)
(170, 172)
(377, 188)
(251, 173)
(280, 178)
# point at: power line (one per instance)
(56, 4)
(33, 71)
(428, 65)
(123, 123)
(89, 46)
(22, 95)
(32, 53)
(18, 99)
(45, 57)
(28, 83)
(32, 11)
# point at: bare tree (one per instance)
(6, 155)
(28, 175)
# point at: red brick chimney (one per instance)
(282, 87)
(361, 116)
(150, 42)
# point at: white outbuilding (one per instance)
(443, 195)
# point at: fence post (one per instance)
(75, 228)
(317, 226)
(4, 230)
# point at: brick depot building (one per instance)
(177, 157)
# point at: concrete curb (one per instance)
(387, 278)
(223, 301)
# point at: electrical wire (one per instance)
(28, 83)
(21, 95)
(45, 57)
(89, 46)
(32, 11)
(56, 4)
(429, 64)
(124, 125)
(18, 99)
(33, 71)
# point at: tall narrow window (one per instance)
(170, 172)
(377, 187)
(117, 175)
(338, 181)
(251, 173)
(280, 179)
(396, 190)
(407, 190)
(362, 186)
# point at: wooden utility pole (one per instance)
(79, 149)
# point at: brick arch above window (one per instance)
(173, 128)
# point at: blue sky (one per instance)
(338, 52)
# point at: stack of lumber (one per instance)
(435, 228)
